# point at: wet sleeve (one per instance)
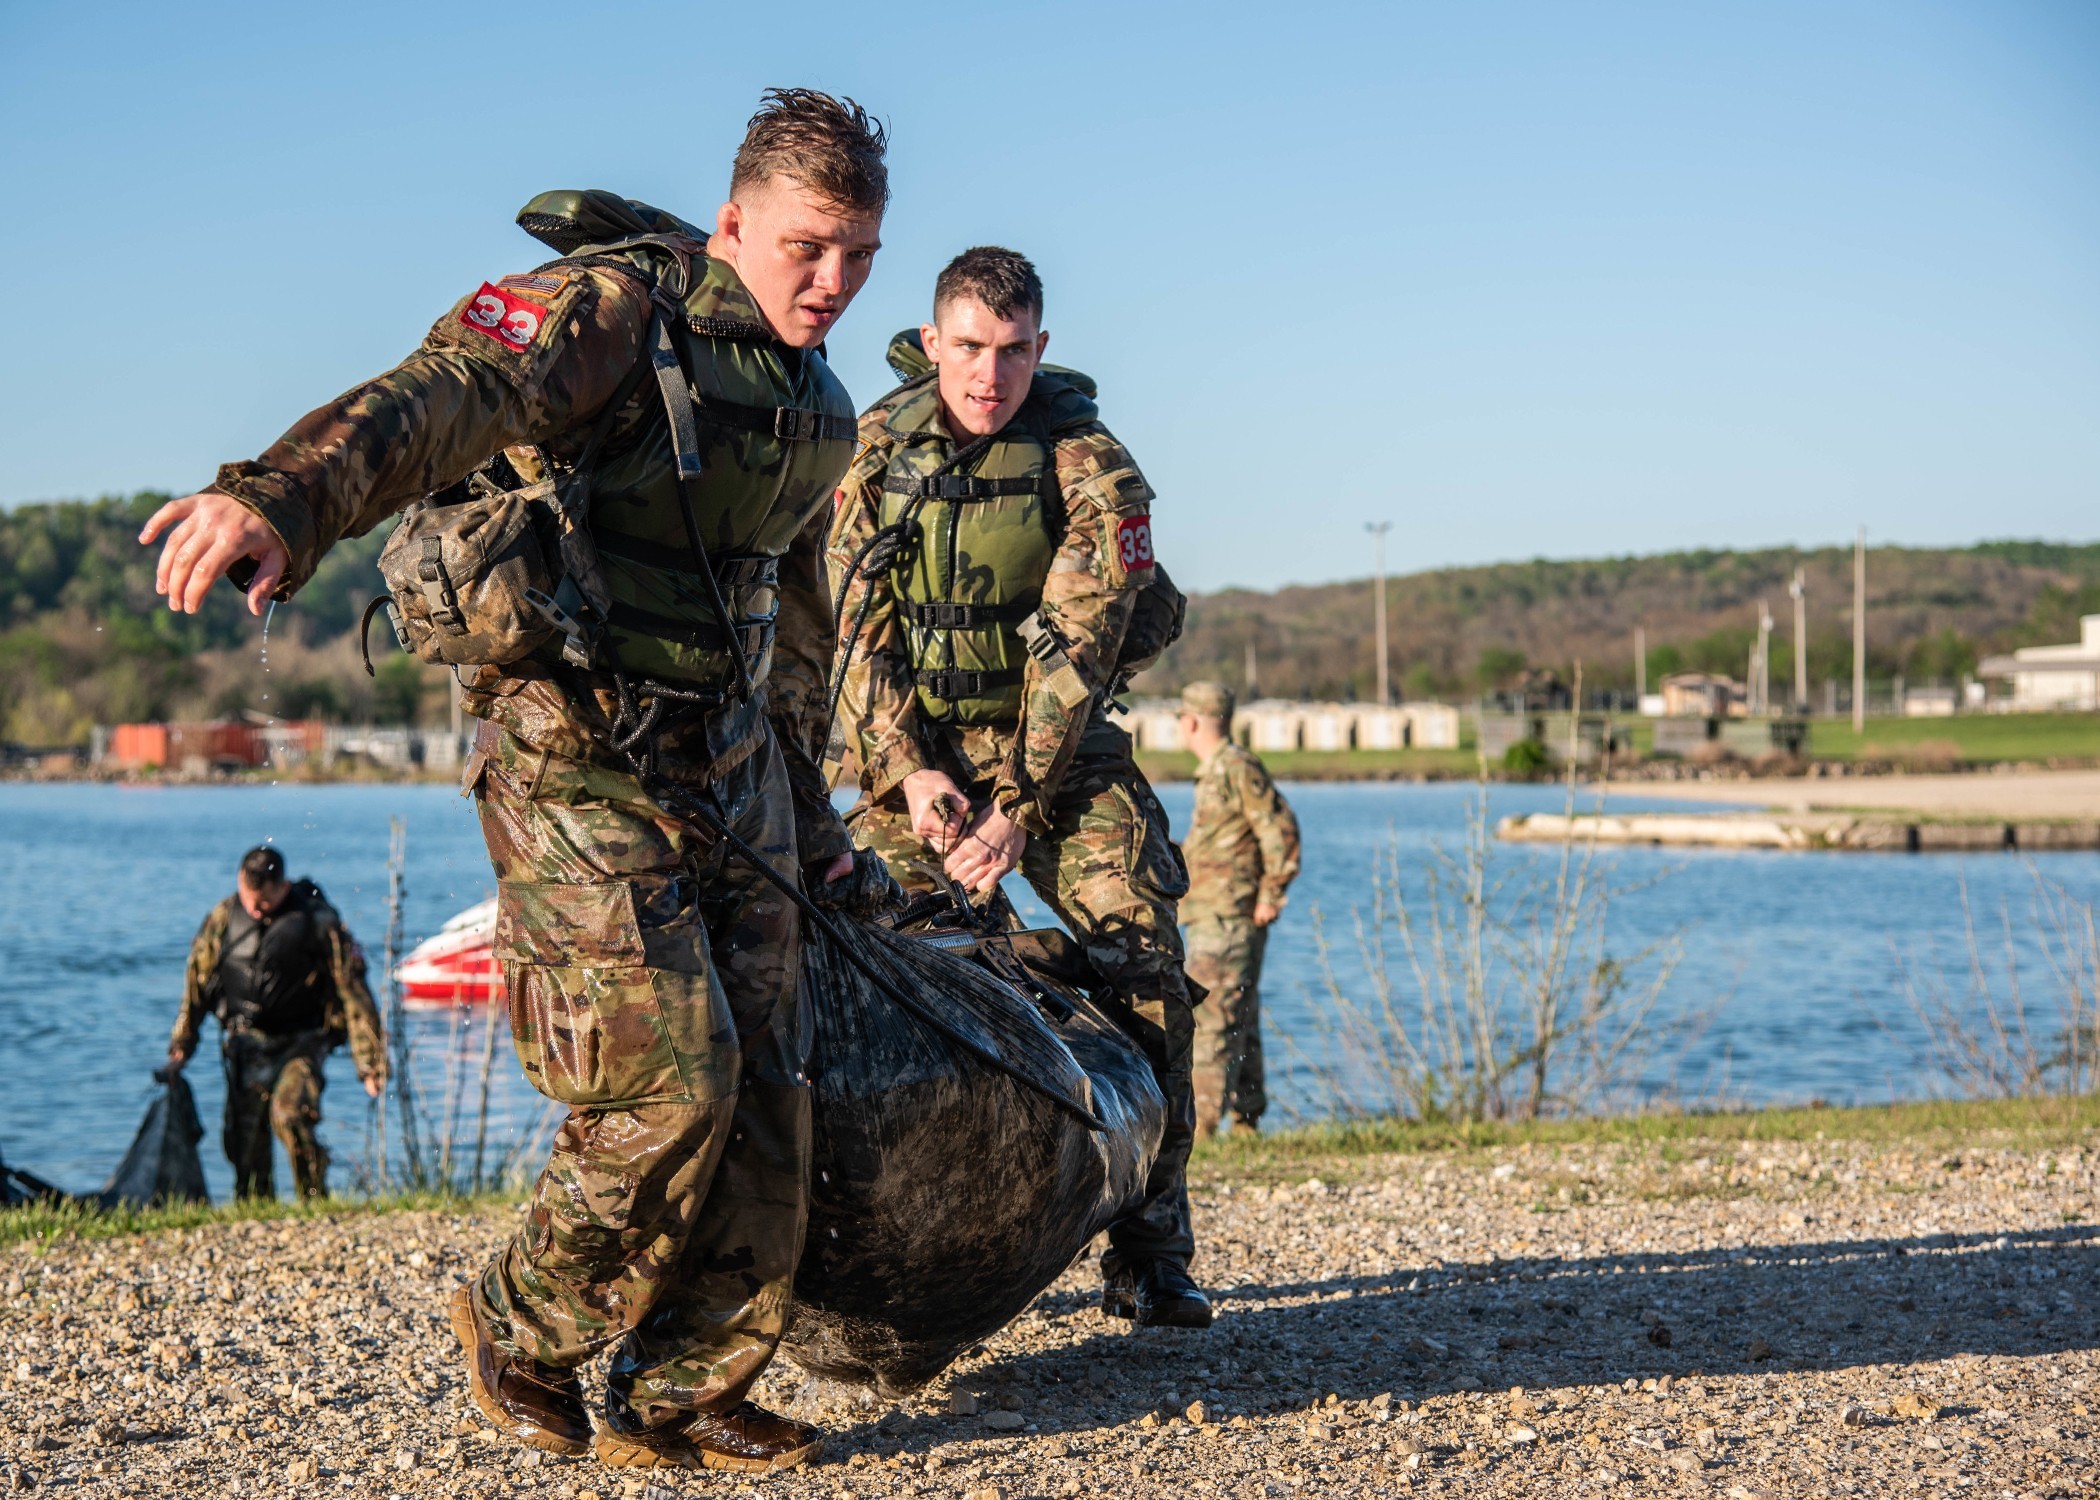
(361, 1023)
(196, 981)
(797, 690)
(507, 365)
(1275, 830)
(1103, 563)
(878, 705)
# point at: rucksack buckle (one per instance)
(564, 611)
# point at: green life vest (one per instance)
(984, 537)
(775, 433)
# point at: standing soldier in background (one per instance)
(275, 964)
(992, 557)
(647, 758)
(1242, 851)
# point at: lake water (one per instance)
(1795, 965)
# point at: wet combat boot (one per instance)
(749, 1438)
(522, 1398)
(1157, 1294)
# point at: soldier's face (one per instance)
(259, 901)
(801, 259)
(987, 362)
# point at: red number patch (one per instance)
(1134, 541)
(511, 320)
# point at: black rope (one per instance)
(675, 799)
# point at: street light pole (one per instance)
(1799, 589)
(1859, 633)
(1378, 529)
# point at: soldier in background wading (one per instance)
(275, 964)
(651, 969)
(991, 555)
(1242, 852)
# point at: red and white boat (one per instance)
(456, 966)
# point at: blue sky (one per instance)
(1523, 279)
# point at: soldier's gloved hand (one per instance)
(867, 891)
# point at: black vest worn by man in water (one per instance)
(273, 974)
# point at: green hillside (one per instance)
(1931, 614)
(83, 638)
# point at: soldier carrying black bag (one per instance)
(286, 980)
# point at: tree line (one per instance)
(84, 639)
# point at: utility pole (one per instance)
(1859, 633)
(1640, 666)
(1378, 529)
(1764, 658)
(1252, 687)
(1799, 589)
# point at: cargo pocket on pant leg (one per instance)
(579, 1214)
(594, 1024)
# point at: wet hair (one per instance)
(261, 867)
(831, 146)
(1003, 280)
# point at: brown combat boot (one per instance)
(749, 1438)
(522, 1398)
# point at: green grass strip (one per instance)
(44, 1222)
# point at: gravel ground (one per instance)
(1785, 1320)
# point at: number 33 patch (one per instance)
(512, 321)
(1134, 543)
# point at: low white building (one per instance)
(2050, 677)
(1275, 724)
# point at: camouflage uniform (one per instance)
(1098, 850)
(274, 1080)
(1242, 850)
(652, 977)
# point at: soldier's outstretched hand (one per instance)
(212, 532)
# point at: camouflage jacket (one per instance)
(1242, 844)
(1087, 601)
(350, 1009)
(468, 394)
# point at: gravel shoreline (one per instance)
(1733, 1319)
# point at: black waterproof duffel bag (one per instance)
(959, 1169)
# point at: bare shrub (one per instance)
(1497, 995)
(1986, 1034)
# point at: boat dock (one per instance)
(1877, 833)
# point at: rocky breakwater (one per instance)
(1722, 1319)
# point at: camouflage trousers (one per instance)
(1110, 872)
(273, 1089)
(1225, 955)
(652, 985)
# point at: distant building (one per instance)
(195, 750)
(2047, 677)
(1274, 724)
(1703, 695)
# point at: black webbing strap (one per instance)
(734, 572)
(957, 486)
(752, 637)
(677, 388)
(967, 616)
(678, 398)
(794, 424)
(952, 683)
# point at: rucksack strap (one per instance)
(956, 486)
(953, 683)
(967, 616)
